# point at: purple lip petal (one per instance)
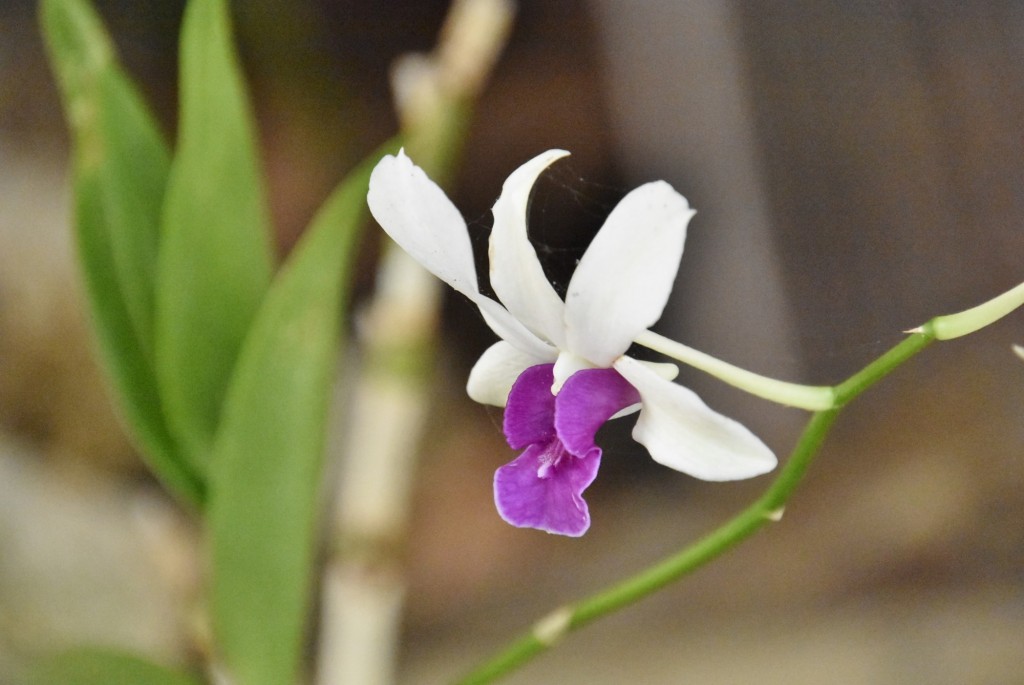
(551, 502)
(530, 410)
(543, 487)
(588, 399)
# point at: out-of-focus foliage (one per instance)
(102, 667)
(215, 257)
(225, 373)
(266, 469)
(120, 171)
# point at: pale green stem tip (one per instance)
(554, 626)
(974, 319)
(810, 397)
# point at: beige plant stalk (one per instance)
(363, 584)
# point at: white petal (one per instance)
(494, 373)
(510, 330)
(418, 216)
(625, 277)
(566, 365)
(666, 370)
(516, 274)
(683, 433)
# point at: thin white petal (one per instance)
(625, 277)
(418, 216)
(516, 274)
(683, 433)
(494, 373)
(510, 330)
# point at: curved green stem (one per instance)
(810, 397)
(827, 401)
(974, 319)
(818, 397)
(881, 367)
(768, 508)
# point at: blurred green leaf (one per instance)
(87, 666)
(120, 170)
(215, 256)
(266, 472)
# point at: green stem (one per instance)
(973, 319)
(768, 508)
(827, 401)
(810, 397)
(881, 367)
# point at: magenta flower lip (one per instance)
(543, 487)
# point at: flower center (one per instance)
(547, 460)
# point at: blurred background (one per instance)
(857, 169)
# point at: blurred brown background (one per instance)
(857, 167)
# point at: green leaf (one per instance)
(215, 256)
(87, 666)
(120, 166)
(266, 471)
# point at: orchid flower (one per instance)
(560, 368)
